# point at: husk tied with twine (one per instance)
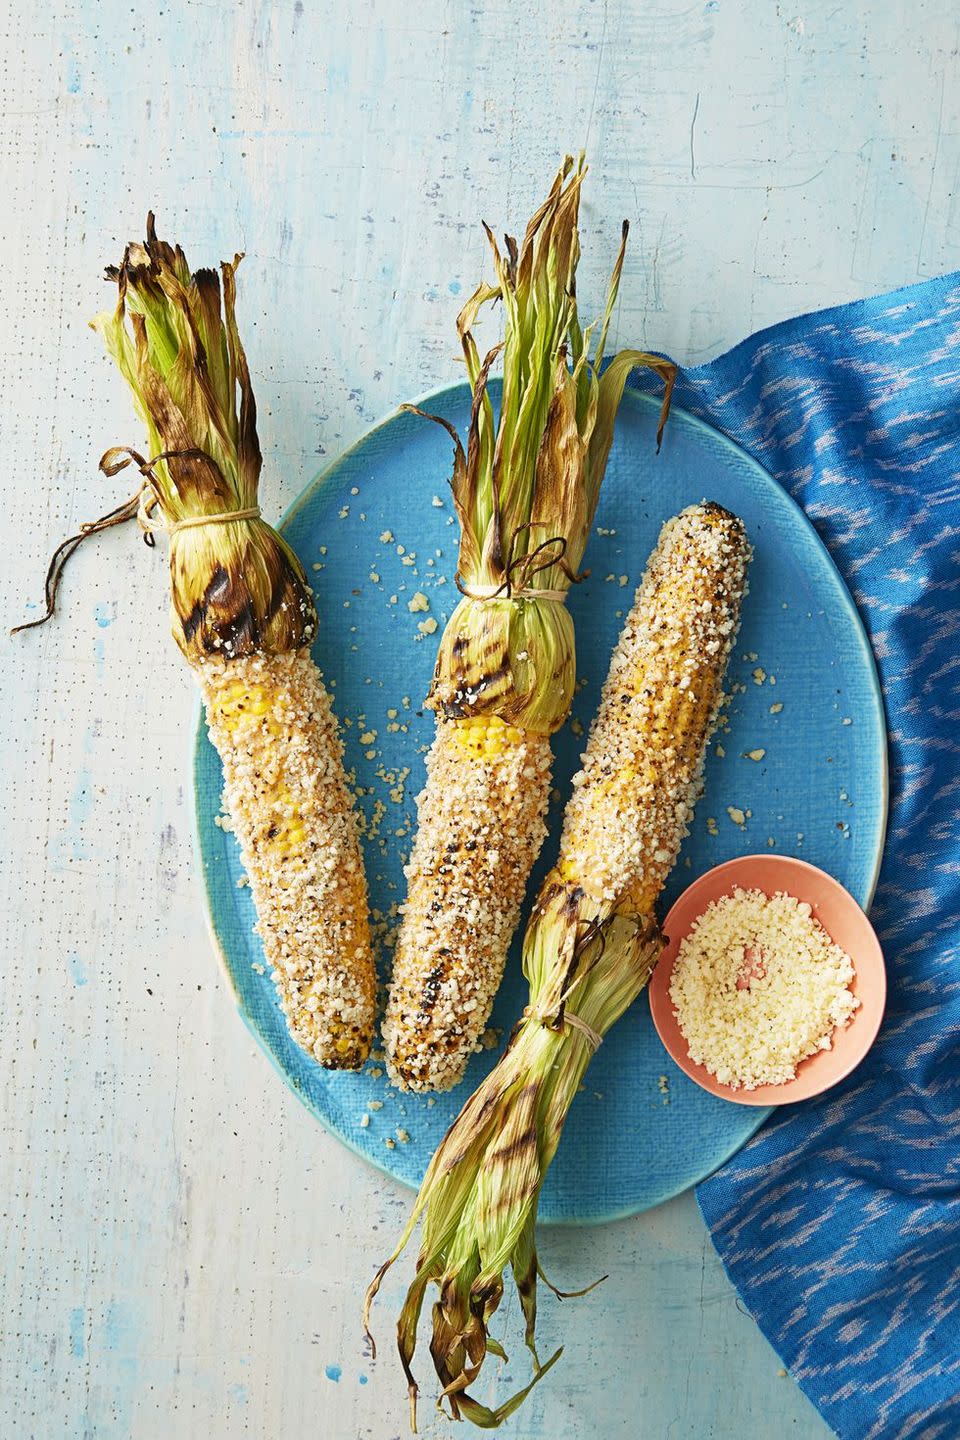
(526, 487)
(236, 586)
(478, 1200)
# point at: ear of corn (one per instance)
(287, 800)
(589, 949)
(243, 615)
(481, 825)
(525, 490)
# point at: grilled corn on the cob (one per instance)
(481, 825)
(243, 616)
(589, 949)
(642, 771)
(525, 491)
(284, 790)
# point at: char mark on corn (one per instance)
(480, 827)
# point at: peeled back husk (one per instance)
(512, 658)
(236, 586)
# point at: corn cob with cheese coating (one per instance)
(243, 617)
(481, 826)
(525, 491)
(285, 792)
(589, 949)
(642, 771)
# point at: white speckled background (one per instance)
(183, 1250)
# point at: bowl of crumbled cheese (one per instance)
(772, 985)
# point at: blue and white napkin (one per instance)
(839, 1223)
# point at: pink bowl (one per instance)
(844, 922)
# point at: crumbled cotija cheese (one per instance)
(757, 986)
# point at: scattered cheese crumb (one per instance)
(759, 675)
(364, 1120)
(736, 815)
(427, 627)
(418, 603)
(754, 754)
(437, 503)
(386, 537)
(775, 709)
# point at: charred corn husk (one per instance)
(589, 949)
(525, 490)
(244, 617)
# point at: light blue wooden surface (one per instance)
(182, 1248)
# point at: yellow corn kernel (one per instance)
(483, 736)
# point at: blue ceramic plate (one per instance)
(633, 1138)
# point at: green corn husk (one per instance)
(236, 587)
(527, 486)
(479, 1197)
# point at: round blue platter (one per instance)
(377, 527)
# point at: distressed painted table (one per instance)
(183, 1249)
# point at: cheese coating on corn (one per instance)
(271, 720)
(642, 771)
(480, 828)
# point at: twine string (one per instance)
(565, 1017)
(148, 499)
(527, 566)
(140, 507)
(500, 592)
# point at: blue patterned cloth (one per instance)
(839, 1223)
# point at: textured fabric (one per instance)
(839, 1223)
